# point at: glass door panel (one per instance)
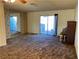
(43, 25)
(51, 25)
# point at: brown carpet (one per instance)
(36, 47)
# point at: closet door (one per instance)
(71, 26)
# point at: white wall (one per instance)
(63, 16)
(23, 16)
(2, 26)
(76, 36)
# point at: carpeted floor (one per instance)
(36, 47)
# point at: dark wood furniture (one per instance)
(71, 28)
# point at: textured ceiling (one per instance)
(42, 5)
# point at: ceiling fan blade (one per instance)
(23, 1)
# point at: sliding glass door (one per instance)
(43, 25)
(48, 25)
(13, 24)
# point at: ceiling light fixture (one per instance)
(6, 0)
(11, 1)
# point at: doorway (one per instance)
(48, 25)
(13, 24)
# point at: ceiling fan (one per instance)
(22, 1)
(12, 1)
